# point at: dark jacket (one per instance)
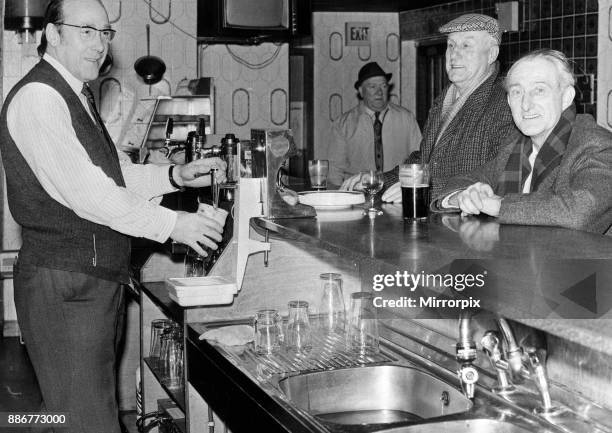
(577, 194)
(53, 235)
(472, 137)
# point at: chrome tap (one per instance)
(514, 354)
(492, 347)
(527, 365)
(538, 373)
(466, 355)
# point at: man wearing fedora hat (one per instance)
(470, 118)
(375, 134)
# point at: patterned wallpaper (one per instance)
(251, 85)
(336, 65)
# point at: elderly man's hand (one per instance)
(393, 194)
(195, 174)
(194, 229)
(476, 199)
(353, 183)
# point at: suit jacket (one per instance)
(351, 148)
(576, 195)
(471, 138)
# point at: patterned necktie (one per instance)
(378, 145)
(98, 120)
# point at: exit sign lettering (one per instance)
(358, 33)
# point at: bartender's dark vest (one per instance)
(53, 235)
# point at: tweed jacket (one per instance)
(351, 148)
(471, 138)
(577, 194)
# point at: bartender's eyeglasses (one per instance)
(88, 33)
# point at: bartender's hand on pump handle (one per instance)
(196, 173)
(193, 229)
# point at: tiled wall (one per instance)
(604, 65)
(336, 65)
(570, 26)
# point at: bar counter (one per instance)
(546, 277)
(533, 276)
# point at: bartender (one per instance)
(77, 204)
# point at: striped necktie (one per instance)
(378, 145)
(86, 90)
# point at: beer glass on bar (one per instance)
(318, 170)
(414, 180)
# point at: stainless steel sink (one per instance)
(463, 426)
(379, 394)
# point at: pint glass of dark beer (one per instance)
(414, 180)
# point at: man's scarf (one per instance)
(517, 168)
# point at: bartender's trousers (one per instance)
(71, 324)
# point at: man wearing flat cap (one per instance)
(375, 134)
(467, 122)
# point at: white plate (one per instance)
(340, 215)
(331, 200)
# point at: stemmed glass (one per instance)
(371, 182)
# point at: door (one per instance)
(431, 76)
(300, 107)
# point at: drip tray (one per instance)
(327, 352)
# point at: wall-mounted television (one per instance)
(253, 21)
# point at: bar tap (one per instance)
(538, 373)
(492, 347)
(171, 147)
(466, 355)
(514, 354)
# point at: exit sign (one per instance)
(358, 33)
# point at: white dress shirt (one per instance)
(351, 145)
(534, 153)
(39, 122)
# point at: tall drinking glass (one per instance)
(172, 357)
(194, 264)
(158, 327)
(363, 328)
(414, 180)
(371, 181)
(331, 310)
(318, 170)
(298, 327)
